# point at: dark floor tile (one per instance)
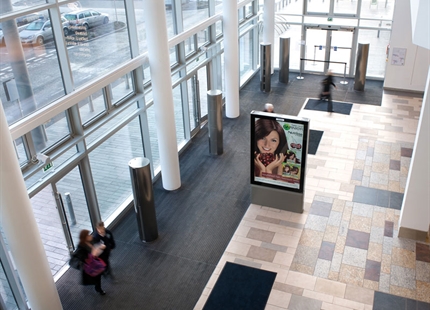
(416, 305)
(396, 200)
(406, 152)
(372, 270)
(395, 164)
(388, 229)
(357, 239)
(357, 175)
(320, 208)
(382, 198)
(423, 252)
(384, 301)
(326, 250)
(365, 195)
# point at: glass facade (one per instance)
(76, 86)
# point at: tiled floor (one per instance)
(344, 247)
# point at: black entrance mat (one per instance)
(241, 287)
(321, 105)
(314, 140)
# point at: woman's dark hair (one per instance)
(264, 127)
(83, 236)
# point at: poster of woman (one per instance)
(278, 146)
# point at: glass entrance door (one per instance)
(197, 99)
(328, 49)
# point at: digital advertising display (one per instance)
(278, 150)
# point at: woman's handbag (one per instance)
(94, 265)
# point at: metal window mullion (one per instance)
(132, 28)
(178, 19)
(11, 277)
(89, 190)
(61, 47)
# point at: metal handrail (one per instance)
(327, 61)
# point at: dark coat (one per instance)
(82, 252)
(108, 240)
(327, 83)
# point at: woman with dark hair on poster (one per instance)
(269, 147)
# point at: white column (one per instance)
(231, 58)
(20, 228)
(269, 27)
(415, 212)
(159, 63)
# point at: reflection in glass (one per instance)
(190, 46)
(345, 7)
(194, 117)
(246, 51)
(56, 129)
(98, 41)
(194, 12)
(179, 117)
(122, 88)
(30, 73)
(294, 32)
(5, 290)
(50, 228)
(21, 154)
(203, 37)
(92, 106)
(318, 6)
(153, 138)
(75, 205)
(109, 166)
(378, 42)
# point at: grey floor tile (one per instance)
(403, 277)
(301, 303)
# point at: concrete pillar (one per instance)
(231, 58)
(20, 228)
(159, 63)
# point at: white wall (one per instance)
(412, 76)
(415, 212)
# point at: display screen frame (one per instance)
(296, 132)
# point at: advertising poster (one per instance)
(278, 150)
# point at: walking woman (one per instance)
(326, 91)
(92, 266)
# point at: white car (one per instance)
(86, 18)
(40, 31)
(2, 43)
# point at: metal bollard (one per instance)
(70, 207)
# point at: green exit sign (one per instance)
(330, 19)
(48, 166)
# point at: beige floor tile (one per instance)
(351, 275)
(284, 259)
(348, 303)
(318, 296)
(338, 205)
(404, 292)
(333, 275)
(402, 257)
(374, 252)
(311, 238)
(360, 223)
(279, 299)
(247, 241)
(330, 306)
(238, 248)
(302, 268)
(378, 219)
(359, 294)
(261, 254)
(372, 285)
(340, 244)
(423, 291)
(331, 233)
(301, 280)
(330, 287)
(288, 288)
(386, 263)
(285, 240)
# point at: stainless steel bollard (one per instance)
(70, 208)
(284, 59)
(265, 66)
(215, 122)
(361, 66)
(141, 181)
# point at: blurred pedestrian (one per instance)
(326, 90)
(104, 236)
(92, 265)
(268, 107)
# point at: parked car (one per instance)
(40, 31)
(86, 18)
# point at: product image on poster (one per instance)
(278, 150)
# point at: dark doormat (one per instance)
(241, 287)
(319, 105)
(314, 140)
